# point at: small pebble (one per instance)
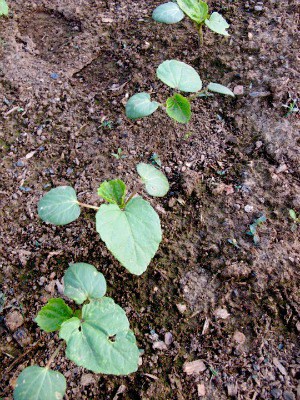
(181, 308)
(19, 163)
(248, 208)
(239, 337)
(168, 338)
(238, 90)
(14, 320)
(201, 389)
(159, 346)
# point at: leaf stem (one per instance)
(200, 31)
(88, 206)
(51, 359)
(194, 96)
(130, 197)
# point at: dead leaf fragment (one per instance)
(194, 367)
(221, 313)
(280, 367)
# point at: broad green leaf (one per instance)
(216, 87)
(203, 11)
(155, 181)
(293, 214)
(179, 75)
(3, 8)
(102, 342)
(132, 235)
(37, 383)
(168, 13)
(59, 206)
(113, 191)
(140, 105)
(217, 24)
(82, 281)
(53, 314)
(179, 108)
(191, 8)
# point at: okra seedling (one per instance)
(180, 76)
(129, 226)
(3, 8)
(253, 228)
(97, 335)
(196, 10)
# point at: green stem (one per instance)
(51, 359)
(88, 206)
(194, 96)
(130, 197)
(200, 31)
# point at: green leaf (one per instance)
(168, 13)
(140, 105)
(179, 75)
(203, 11)
(53, 314)
(217, 24)
(179, 108)
(191, 8)
(59, 206)
(293, 215)
(132, 235)
(216, 87)
(155, 181)
(103, 342)
(37, 383)
(82, 281)
(3, 8)
(113, 191)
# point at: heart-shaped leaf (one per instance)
(3, 8)
(216, 87)
(179, 75)
(82, 281)
(168, 13)
(37, 383)
(103, 342)
(132, 235)
(140, 105)
(217, 24)
(179, 108)
(113, 191)
(155, 181)
(53, 314)
(203, 11)
(59, 206)
(191, 8)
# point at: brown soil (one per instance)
(233, 154)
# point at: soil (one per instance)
(66, 69)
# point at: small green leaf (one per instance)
(203, 11)
(155, 181)
(3, 8)
(168, 13)
(37, 383)
(191, 8)
(216, 87)
(82, 281)
(179, 108)
(113, 191)
(179, 75)
(217, 24)
(53, 314)
(102, 342)
(132, 235)
(140, 105)
(59, 206)
(293, 215)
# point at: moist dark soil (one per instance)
(66, 71)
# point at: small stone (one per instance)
(14, 320)
(172, 202)
(168, 338)
(181, 308)
(201, 390)
(248, 208)
(22, 337)
(232, 389)
(168, 170)
(281, 168)
(19, 163)
(238, 90)
(159, 346)
(276, 393)
(194, 367)
(87, 379)
(288, 395)
(258, 144)
(239, 337)
(221, 313)
(298, 326)
(258, 8)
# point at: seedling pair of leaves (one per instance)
(180, 76)
(97, 335)
(196, 10)
(129, 227)
(253, 228)
(295, 218)
(3, 8)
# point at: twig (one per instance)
(88, 206)
(22, 356)
(51, 359)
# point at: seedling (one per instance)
(3, 8)
(129, 227)
(118, 155)
(196, 10)
(253, 228)
(107, 124)
(292, 107)
(180, 76)
(155, 159)
(296, 219)
(97, 335)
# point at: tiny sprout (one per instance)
(292, 107)
(118, 155)
(253, 228)
(107, 124)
